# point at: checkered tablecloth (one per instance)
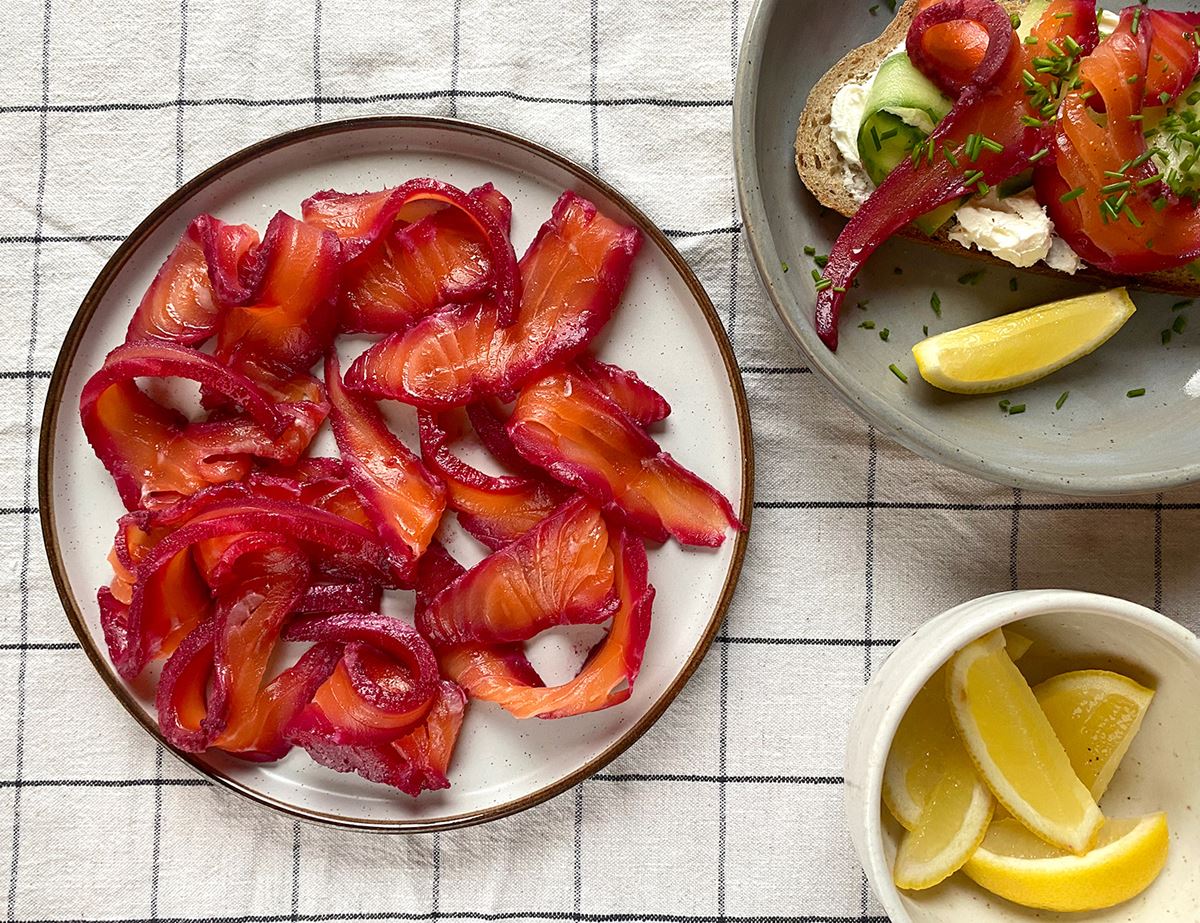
(730, 808)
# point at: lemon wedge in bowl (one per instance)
(1095, 715)
(1013, 350)
(1018, 866)
(931, 787)
(1014, 746)
(952, 824)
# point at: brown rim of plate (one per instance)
(79, 326)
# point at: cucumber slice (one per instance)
(1015, 185)
(902, 109)
(885, 140)
(1031, 15)
(929, 224)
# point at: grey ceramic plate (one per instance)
(1100, 442)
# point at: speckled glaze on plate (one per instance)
(666, 329)
(1100, 442)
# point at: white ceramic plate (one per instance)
(666, 329)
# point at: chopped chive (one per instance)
(983, 188)
(1193, 98)
(1149, 181)
(824, 284)
(1072, 195)
(816, 275)
(785, 266)
(1039, 155)
(895, 370)
(1062, 399)
(884, 334)
(1015, 409)
(1005, 404)
(1166, 336)
(935, 302)
(1136, 117)
(1031, 121)
(875, 139)
(1133, 78)
(810, 251)
(1072, 46)
(1180, 305)
(1116, 187)
(1015, 20)
(1180, 324)
(953, 161)
(867, 325)
(972, 178)
(1063, 15)
(1136, 392)
(873, 10)
(924, 330)
(1164, 97)
(1012, 284)
(1133, 219)
(840, 289)
(1160, 203)
(1118, 174)
(991, 144)
(1141, 158)
(1137, 21)
(821, 260)
(971, 278)
(889, 134)
(1031, 40)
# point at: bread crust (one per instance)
(819, 164)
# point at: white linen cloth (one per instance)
(730, 808)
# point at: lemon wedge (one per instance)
(953, 823)
(1095, 715)
(925, 747)
(1013, 350)
(1016, 865)
(1015, 748)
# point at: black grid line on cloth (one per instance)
(1158, 552)
(352, 100)
(26, 527)
(1014, 543)
(316, 61)
(614, 777)
(548, 915)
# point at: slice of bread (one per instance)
(820, 163)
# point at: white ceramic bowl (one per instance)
(1070, 630)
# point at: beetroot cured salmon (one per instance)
(404, 270)
(558, 573)
(402, 499)
(572, 278)
(258, 573)
(496, 509)
(566, 426)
